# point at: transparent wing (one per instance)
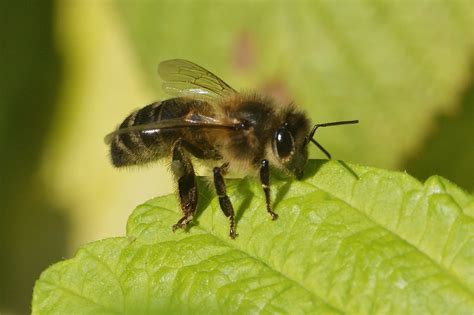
(184, 78)
(195, 121)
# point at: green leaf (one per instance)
(349, 239)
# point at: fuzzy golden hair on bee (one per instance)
(208, 121)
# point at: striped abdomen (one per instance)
(140, 147)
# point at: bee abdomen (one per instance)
(133, 148)
(138, 147)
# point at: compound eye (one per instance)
(284, 143)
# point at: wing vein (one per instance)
(184, 78)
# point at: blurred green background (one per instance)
(72, 70)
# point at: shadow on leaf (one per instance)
(246, 195)
(449, 150)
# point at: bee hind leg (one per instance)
(265, 180)
(224, 201)
(183, 171)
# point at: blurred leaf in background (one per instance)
(32, 228)
(397, 66)
(101, 86)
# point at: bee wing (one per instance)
(195, 121)
(184, 78)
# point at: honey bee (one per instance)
(209, 121)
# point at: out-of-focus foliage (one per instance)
(71, 70)
(395, 65)
(32, 229)
(351, 244)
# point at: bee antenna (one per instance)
(315, 127)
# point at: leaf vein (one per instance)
(415, 246)
(276, 271)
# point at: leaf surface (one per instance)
(349, 240)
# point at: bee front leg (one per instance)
(265, 180)
(224, 201)
(183, 171)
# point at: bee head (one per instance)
(289, 144)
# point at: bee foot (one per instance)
(178, 226)
(274, 215)
(182, 223)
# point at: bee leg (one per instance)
(224, 200)
(265, 180)
(183, 171)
